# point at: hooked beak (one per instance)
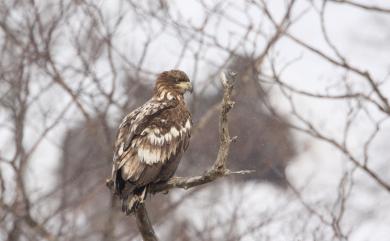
(185, 86)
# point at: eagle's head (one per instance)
(173, 81)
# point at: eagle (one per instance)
(151, 140)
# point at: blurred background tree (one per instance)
(311, 116)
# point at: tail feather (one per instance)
(128, 192)
(131, 203)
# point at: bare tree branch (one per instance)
(362, 6)
(144, 225)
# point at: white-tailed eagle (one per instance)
(151, 140)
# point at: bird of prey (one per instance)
(151, 140)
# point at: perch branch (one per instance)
(144, 225)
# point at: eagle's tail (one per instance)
(131, 203)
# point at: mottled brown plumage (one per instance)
(151, 140)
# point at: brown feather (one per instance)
(151, 140)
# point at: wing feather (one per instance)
(149, 144)
(131, 141)
(135, 123)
